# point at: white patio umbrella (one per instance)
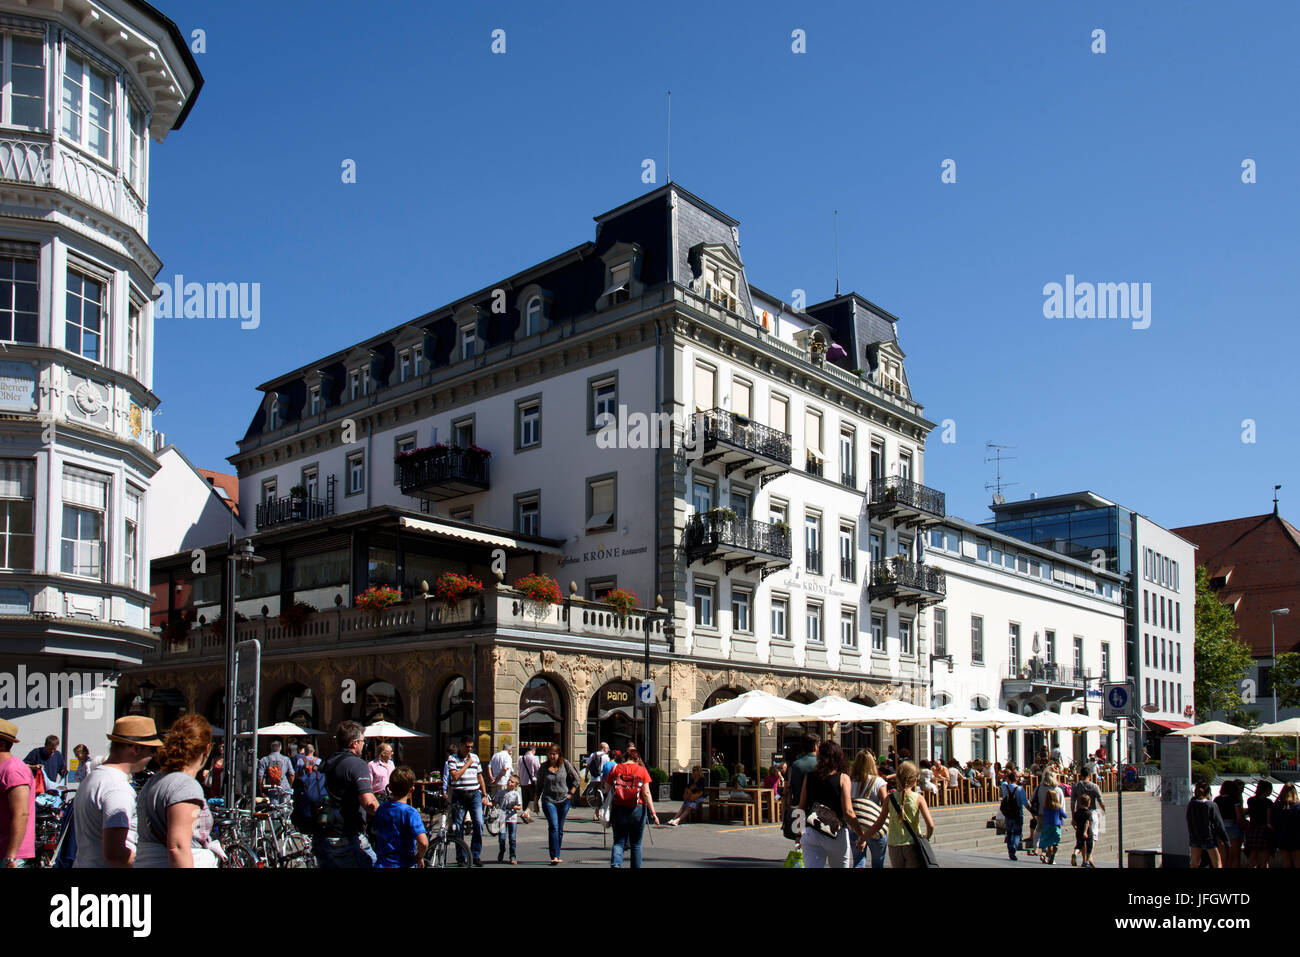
(949, 715)
(896, 712)
(833, 708)
(386, 729)
(286, 729)
(996, 719)
(1281, 729)
(753, 707)
(1210, 729)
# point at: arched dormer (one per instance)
(719, 276)
(534, 305)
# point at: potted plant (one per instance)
(177, 628)
(451, 587)
(720, 775)
(621, 600)
(721, 514)
(659, 777)
(218, 624)
(296, 615)
(298, 500)
(376, 598)
(542, 590)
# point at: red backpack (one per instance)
(627, 785)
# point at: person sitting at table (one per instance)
(742, 779)
(939, 774)
(775, 779)
(954, 773)
(692, 799)
(926, 779)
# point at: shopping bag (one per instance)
(1098, 822)
(794, 858)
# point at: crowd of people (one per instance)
(1232, 832)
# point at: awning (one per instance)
(1171, 725)
(480, 538)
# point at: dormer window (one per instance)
(720, 288)
(890, 374)
(623, 275)
(274, 421)
(619, 277)
(314, 401)
(533, 316)
(403, 366)
(468, 341)
(354, 384)
(417, 360)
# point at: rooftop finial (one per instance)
(1275, 488)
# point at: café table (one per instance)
(754, 794)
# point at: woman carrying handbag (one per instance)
(904, 811)
(827, 804)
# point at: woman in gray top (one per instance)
(557, 783)
(173, 819)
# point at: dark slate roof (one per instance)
(858, 325)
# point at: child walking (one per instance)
(1083, 837)
(1049, 832)
(400, 835)
(510, 801)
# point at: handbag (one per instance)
(794, 858)
(865, 809)
(606, 806)
(923, 848)
(823, 819)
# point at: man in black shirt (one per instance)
(347, 779)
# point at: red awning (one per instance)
(1171, 725)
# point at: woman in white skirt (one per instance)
(173, 818)
(827, 787)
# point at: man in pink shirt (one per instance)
(17, 803)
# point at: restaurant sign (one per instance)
(17, 386)
(616, 696)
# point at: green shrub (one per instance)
(658, 775)
(720, 773)
(1203, 771)
(1243, 765)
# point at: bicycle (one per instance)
(443, 838)
(265, 838)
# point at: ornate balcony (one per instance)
(1047, 680)
(908, 583)
(721, 536)
(443, 472)
(296, 508)
(904, 500)
(738, 442)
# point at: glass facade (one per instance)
(1074, 530)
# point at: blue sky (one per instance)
(1123, 166)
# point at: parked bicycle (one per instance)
(265, 837)
(447, 847)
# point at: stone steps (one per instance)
(963, 827)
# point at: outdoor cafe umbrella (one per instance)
(834, 709)
(995, 719)
(948, 715)
(753, 707)
(286, 729)
(1210, 729)
(386, 729)
(895, 712)
(1281, 729)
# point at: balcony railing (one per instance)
(740, 442)
(290, 508)
(443, 472)
(813, 465)
(848, 569)
(1045, 672)
(812, 560)
(737, 541)
(909, 582)
(899, 496)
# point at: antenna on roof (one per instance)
(997, 485)
(837, 252)
(1275, 488)
(668, 172)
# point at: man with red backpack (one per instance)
(629, 783)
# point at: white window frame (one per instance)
(356, 465)
(105, 314)
(848, 628)
(813, 614)
(533, 316)
(704, 598)
(23, 472)
(6, 111)
(780, 608)
(89, 65)
(742, 612)
(131, 539)
(906, 638)
(878, 641)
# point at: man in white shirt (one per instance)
(104, 809)
(529, 765)
(500, 768)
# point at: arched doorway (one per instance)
(542, 716)
(614, 717)
(455, 717)
(860, 736)
(296, 704)
(726, 743)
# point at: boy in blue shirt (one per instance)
(400, 836)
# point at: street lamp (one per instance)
(239, 560)
(1272, 622)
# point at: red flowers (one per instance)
(540, 589)
(452, 587)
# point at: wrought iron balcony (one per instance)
(1038, 671)
(738, 442)
(907, 582)
(290, 508)
(720, 536)
(915, 504)
(443, 472)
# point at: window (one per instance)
(1146, 650)
(1179, 648)
(133, 339)
(85, 508)
(877, 459)
(741, 599)
(131, 539)
(268, 491)
(135, 145)
(533, 316)
(354, 380)
(83, 323)
(703, 491)
(940, 632)
(403, 366)
(88, 105)
(878, 634)
(528, 514)
(704, 592)
(619, 278)
(720, 287)
(602, 501)
(905, 645)
(528, 424)
(1147, 687)
(812, 539)
(1013, 645)
(848, 552)
(19, 300)
(1146, 609)
(417, 360)
(356, 473)
(1105, 661)
(1049, 643)
(468, 342)
(462, 433)
(877, 546)
(780, 608)
(890, 375)
(314, 403)
(813, 622)
(705, 387)
(404, 443)
(603, 398)
(1022, 564)
(848, 458)
(777, 510)
(812, 425)
(780, 411)
(742, 398)
(1163, 666)
(848, 629)
(905, 466)
(599, 588)
(311, 483)
(17, 528)
(24, 81)
(981, 550)
(274, 419)
(1178, 617)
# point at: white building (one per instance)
(87, 84)
(1028, 630)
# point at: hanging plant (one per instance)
(621, 600)
(177, 629)
(722, 514)
(376, 598)
(540, 589)
(218, 624)
(451, 587)
(296, 615)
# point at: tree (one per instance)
(1286, 679)
(1221, 660)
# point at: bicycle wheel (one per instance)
(443, 853)
(239, 856)
(298, 851)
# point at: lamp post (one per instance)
(1272, 622)
(238, 561)
(933, 659)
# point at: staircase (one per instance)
(962, 828)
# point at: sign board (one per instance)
(1189, 712)
(485, 725)
(17, 387)
(505, 726)
(645, 692)
(248, 673)
(616, 696)
(1120, 701)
